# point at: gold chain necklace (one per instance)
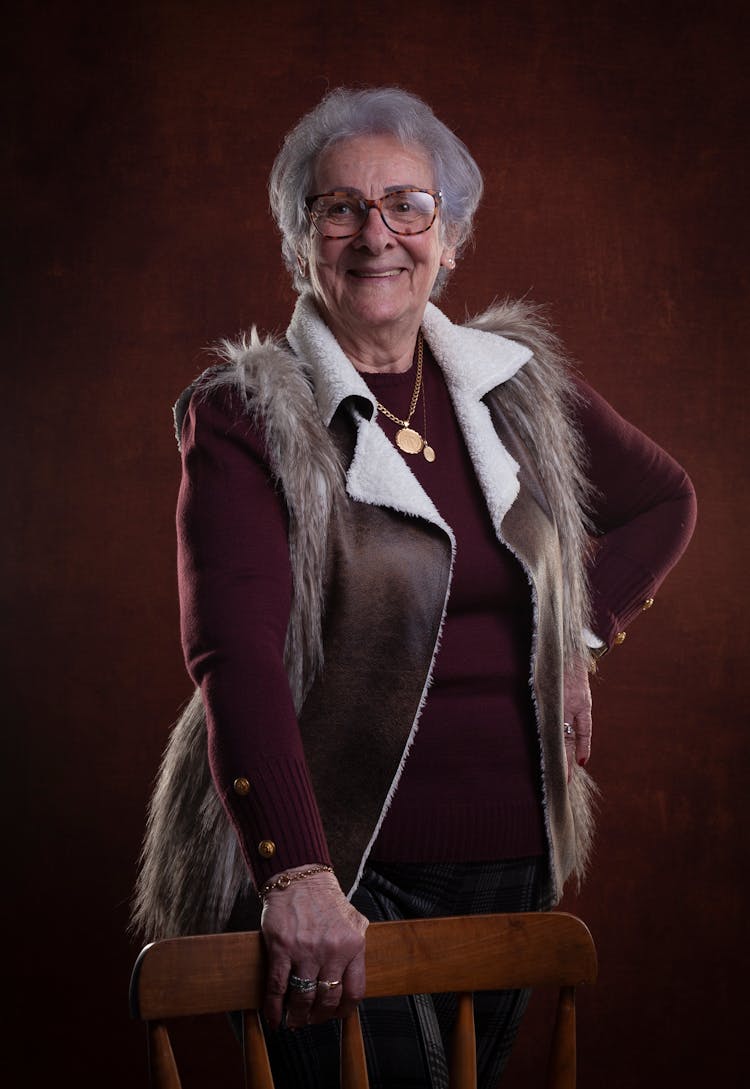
(408, 438)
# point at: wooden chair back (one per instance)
(218, 973)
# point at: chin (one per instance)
(377, 305)
(377, 315)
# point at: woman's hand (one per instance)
(312, 931)
(577, 713)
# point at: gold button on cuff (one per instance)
(241, 786)
(267, 848)
(647, 603)
(620, 638)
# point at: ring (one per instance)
(568, 730)
(302, 986)
(329, 983)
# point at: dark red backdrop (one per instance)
(612, 138)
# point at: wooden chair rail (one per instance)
(216, 973)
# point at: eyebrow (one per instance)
(389, 189)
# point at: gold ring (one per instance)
(329, 983)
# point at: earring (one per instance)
(451, 263)
(302, 266)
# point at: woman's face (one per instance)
(378, 282)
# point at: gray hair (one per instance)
(345, 114)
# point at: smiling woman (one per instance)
(395, 577)
(373, 285)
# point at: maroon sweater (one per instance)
(470, 789)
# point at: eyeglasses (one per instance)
(342, 213)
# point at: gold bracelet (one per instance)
(286, 879)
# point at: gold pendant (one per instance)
(429, 453)
(409, 440)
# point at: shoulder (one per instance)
(259, 395)
(527, 323)
(545, 387)
(213, 423)
(253, 378)
(549, 367)
(518, 319)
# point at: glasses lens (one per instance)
(338, 215)
(408, 212)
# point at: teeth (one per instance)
(376, 275)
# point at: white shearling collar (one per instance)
(472, 360)
(334, 377)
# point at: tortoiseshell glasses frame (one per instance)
(333, 214)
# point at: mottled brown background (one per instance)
(139, 136)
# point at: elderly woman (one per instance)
(402, 545)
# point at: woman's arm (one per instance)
(235, 595)
(643, 511)
(643, 514)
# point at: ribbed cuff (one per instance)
(277, 820)
(620, 586)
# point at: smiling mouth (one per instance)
(375, 274)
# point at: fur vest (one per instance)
(340, 476)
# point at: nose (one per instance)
(374, 235)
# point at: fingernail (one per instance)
(582, 762)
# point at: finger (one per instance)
(569, 742)
(276, 987)
(328, 995)
(583, 737)
(570, 754)
(299, 1003)
(353, 985)
(583, 749)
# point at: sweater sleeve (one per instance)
(644, 512)
(235, 587)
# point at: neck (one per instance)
(382, 351)
(368, 363)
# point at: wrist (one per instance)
(285, 878)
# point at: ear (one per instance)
(448, 256)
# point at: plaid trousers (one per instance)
(406, 1036)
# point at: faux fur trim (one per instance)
(190, 868)
(584, 798)
(540, 402)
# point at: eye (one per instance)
(336, 208)
(340, 208)
(408, 206)
(400, 203)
